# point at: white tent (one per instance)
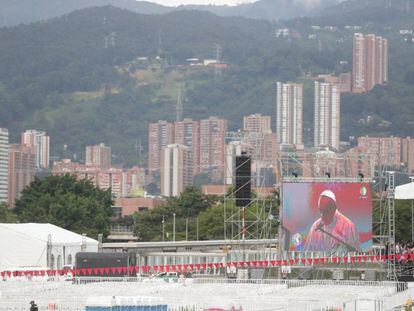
(405, 192)
(25, 245)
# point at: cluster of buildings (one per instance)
(20, 162)
(369, 66)
(289, 115)
(365, 158)
(126, 185)
(177, 151)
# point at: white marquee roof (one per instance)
(25, 245)
(42, 231)
(405, 192)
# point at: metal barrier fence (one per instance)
(62, 295)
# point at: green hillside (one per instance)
(92, 76)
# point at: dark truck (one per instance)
(107, 263)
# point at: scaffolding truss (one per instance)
(256, 220)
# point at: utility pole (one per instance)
(197, 228)
(173, 227)
(186, 229)
(163, 228)
(412, 215)
(49, 251)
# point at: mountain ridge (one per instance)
(28, 11)
(78, 78)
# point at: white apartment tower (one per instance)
(4, 164)
(327, 115)
(289, 114)
(39, 141)
(176, 169)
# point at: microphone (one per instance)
(319, 227)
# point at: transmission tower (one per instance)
(159, 51)
(110, 40)
(218, 52)
(179, 103)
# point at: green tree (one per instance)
(187, 207)
(77, 206)
(6, 214)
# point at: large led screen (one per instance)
(331, 217)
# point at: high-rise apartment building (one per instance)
(407, 156)
(22, 168)
(257, 123)
(40, 142)
(212, 144)
(187, 133)
(289, 114)
(4, 164)
(370, 62)
(160, 135)
(266, 149)
(99, 155)
(387, 150)
(176, 169)
(327, 115)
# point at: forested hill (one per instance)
(93, 75)
(26, 11)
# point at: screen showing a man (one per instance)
(334, 217)
(332, 230)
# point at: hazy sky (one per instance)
(218, 2)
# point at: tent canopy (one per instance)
(41, 232)
(405, 192)
(24, 245)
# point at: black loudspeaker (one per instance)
(243, 189)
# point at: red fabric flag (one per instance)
(273, 263)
